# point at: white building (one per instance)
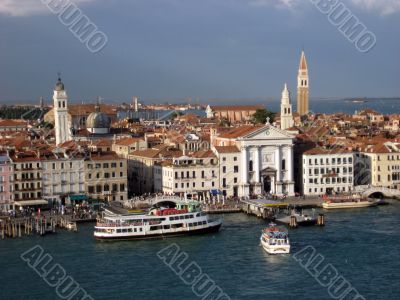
(196, 174)
(62, 128)
(63, 175)
(229, 169)
(327, 171)
(286, 110)
(266, 158)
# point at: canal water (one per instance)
(362, 244)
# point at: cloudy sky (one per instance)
(173, 49)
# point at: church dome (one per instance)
(98, 122)
(59, 85)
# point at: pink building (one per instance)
(6, 178)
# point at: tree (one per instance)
(261, 115)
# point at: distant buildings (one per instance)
(234, 113)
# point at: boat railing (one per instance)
(114, 224)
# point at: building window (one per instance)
(235, 158)
(223, 169)
(235, 169)
(283, 164)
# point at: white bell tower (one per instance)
(286, 110)
(60, 99)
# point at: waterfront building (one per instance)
(106, 176)
(266, 158)
(63, 175)
(233, 114)
(62, 124)
(327, 171)
(378, 164)
(141, 167)
(229, 169)
(303, 87)
(6, 183)
(286, 117)
(27, 178)
(196, 174)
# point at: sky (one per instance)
(210, 49)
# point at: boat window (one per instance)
(141, 229)
(198, 215)
(155, 228)
(119, 230)
(190, 224)
(167, 226)
(181, 217)
(187, 217)
(191, 216)
(135, 229)
(195, 224)
(129, 229)
(176, 225)
(204, 222)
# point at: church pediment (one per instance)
(268, 132)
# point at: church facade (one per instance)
(266, 159)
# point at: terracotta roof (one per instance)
(85, 109)
(237, 107)
(203, 154)
(322, 151)
(105, 156)
(11, 123)
(240, 131)
(227, 149)
(149, 153)
(128, 141)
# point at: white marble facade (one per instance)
(266, 162)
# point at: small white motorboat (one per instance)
(275, 240)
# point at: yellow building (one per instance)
(106, 177)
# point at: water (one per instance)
(363, 244)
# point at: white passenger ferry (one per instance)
(348, 202)
(274, 240)
(186, 218)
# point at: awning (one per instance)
(31, 202)
(77, 197)
(215, 192)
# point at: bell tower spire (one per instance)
(286, 109)
(60, 101)
(303, 86)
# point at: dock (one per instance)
(39, 224)
(269, 209)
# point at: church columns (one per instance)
(257, 164)
(290, 163)
(278, 162)
(245, 171)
